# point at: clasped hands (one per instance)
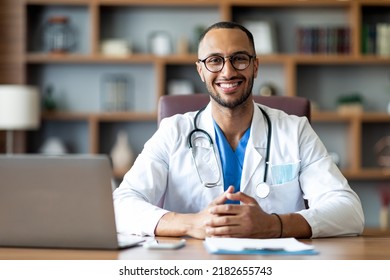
(232, 220)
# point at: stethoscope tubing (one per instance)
(269, 136)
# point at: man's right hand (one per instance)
(177, 224)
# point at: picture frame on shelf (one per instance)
(117, 92)
(264, 35)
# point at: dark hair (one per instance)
(229, 25)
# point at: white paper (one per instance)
(244, 244)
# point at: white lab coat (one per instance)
(163, 177)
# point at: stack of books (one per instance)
(376, 39)
(323, 40)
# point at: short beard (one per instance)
(234, 103)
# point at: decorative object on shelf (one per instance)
(160, 43)
(350, 103)
(116, 92)
(49, 102)
(58, 35)
(267, 89)
(122, 155)
(116, 47)
(53, 146)
(182, 46)
(264, 34)
(382, 151)
(176, 87)
(19, 110)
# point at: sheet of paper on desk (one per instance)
(250, 246)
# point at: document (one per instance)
(250, 246)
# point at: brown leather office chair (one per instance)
(170, 105)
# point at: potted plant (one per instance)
(350, 103)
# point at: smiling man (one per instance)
(204, 173)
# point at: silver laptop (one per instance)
(58, 202)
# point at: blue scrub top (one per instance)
(232, 161)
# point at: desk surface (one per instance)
(366, 247)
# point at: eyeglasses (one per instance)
(215, 63)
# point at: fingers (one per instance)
(240, 196)
(232, 220)
(231, 231)
(224, 226)
(227, 220)
(229, 226)
(223, 197)
(230, 190)
(217, 207)
(224, 209)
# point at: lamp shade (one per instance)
(19, 107)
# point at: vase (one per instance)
(160, 43)
(58, 35)
(122, 155)
(53, 146)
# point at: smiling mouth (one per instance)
(225, 85)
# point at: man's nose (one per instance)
(228, 68)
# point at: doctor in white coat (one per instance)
(249, 171)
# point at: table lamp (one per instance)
(19, 110)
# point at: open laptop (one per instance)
(58, 202)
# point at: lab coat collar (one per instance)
(255, 150)
(205, 122)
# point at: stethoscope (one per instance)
(262, 189)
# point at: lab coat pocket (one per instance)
(286, 197)
(283, 173)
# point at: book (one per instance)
(383, 39)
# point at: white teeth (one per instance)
(228, 85)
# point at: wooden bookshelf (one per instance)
(162, 68)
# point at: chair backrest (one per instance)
(170, 105)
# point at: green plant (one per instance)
(350, 98)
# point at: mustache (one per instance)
(234, 78)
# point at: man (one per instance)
(227, 185)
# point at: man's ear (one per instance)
(200, 70)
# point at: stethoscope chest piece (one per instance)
(262, 190)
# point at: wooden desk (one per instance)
(366, 247)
